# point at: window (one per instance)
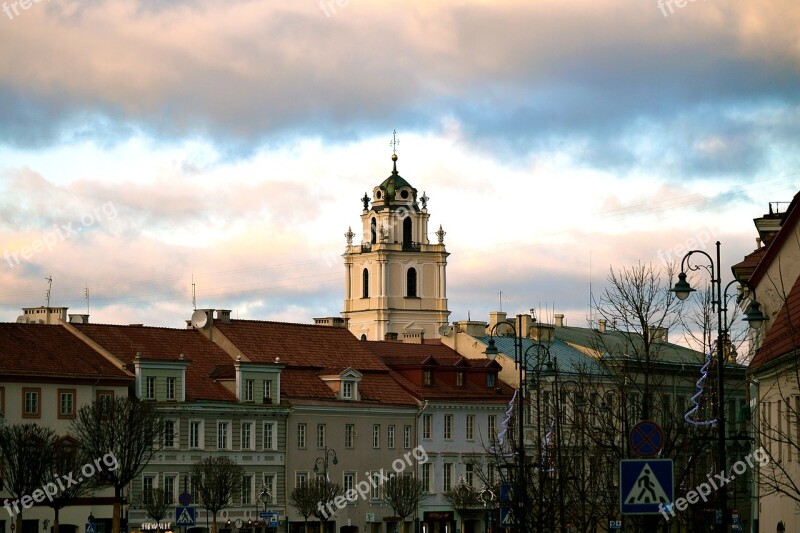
(196, 434)
(491, 426)
(375, 493)
(427, 477)
(320, 436)
(267, 391)
(170, 388)
(349, 434)
(427, 377)
(269, 481)
(148, 483)
(247, 436)
(491, 475)
(406, 437)
(66, 403)
(169, 433)
(470, 429)
(269, 435)
(349, 481)
(30, 402)
(427, 425)
(301, 436)
(222, 436)
(376, 435)
(373, 229)
(300, 479)
(247, 490)
(104, 396)
(407, 231)
(390, 436)
(448, 426)
(347, 390)
(169, 489)
(249, 386)
(459, 379)
(491, 380)
(365, 284)
(469, 474)
(411, 282)
(150, 390)
(447, 477)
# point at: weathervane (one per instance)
(394, 142)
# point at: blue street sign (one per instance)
(644, 484)
(184, 516)
(505, 493)
(506, 517)
(646, 438)
(90, 528)
(615, 524)
(267, 514)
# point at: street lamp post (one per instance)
(329, 454)
(265, 497)
(719, 303)
(486, 496)
(519, 358)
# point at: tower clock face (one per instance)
(238, 523)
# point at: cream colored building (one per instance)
(395, 279)
(773, 270)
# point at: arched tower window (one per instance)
(373, 229)
(365, 284)
(407, 232)
(411, 283)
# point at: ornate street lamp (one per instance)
(719, 303)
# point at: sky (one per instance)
(146, 146)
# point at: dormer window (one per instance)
(491, 379)
(427, 377)
(347, 390)
(459, 379)
(249, 385)
(344, 384)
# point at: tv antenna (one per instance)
(49, 280)
(194, 295)
(86, 295)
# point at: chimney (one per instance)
(224, 316)
(76, 318)
(413, 337)
(524, 323)
(541, 332)
(658, 334)
(601, 325)
(496, 317)
(390, 336)
(559, 320)
(330, 321)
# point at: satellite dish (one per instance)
(199, 319)
(22, 319)
(77, 319)
(444, 331)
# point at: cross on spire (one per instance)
(394, 142)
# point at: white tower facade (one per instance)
(395, 279)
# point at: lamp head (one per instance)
(549, 368)
(682, 289)
(753, 315)
(335, 459)
(316, 469)
(491, 351)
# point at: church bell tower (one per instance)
(395, 279)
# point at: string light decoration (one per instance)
(501, 437)
(547, 459)
(700, 384)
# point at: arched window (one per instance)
(365, 284)
(407, 232)
(363, 336)
(373, 229)
(411, 283)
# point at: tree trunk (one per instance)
(19, 521)
(55, 519)
(214, 523)
(117, 508)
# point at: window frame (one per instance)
(74, 394)
(38, 392)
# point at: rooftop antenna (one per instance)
(86, 294)
(591, 296)
(49, 280)
(194, 295)
(501, 301)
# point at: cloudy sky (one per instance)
(144, 144)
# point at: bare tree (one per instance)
(462, 498)
(156, 506)
(216, 480)
(26, 454)
(403, 494)
(67, 461)
(325, 494)
(123, 429)
(304, 499)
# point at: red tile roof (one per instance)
(401, 356)
(300, 345)
(124, 342)
(46, 350)
(309, 351)
(784, 335)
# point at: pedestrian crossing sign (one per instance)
(645, 484)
